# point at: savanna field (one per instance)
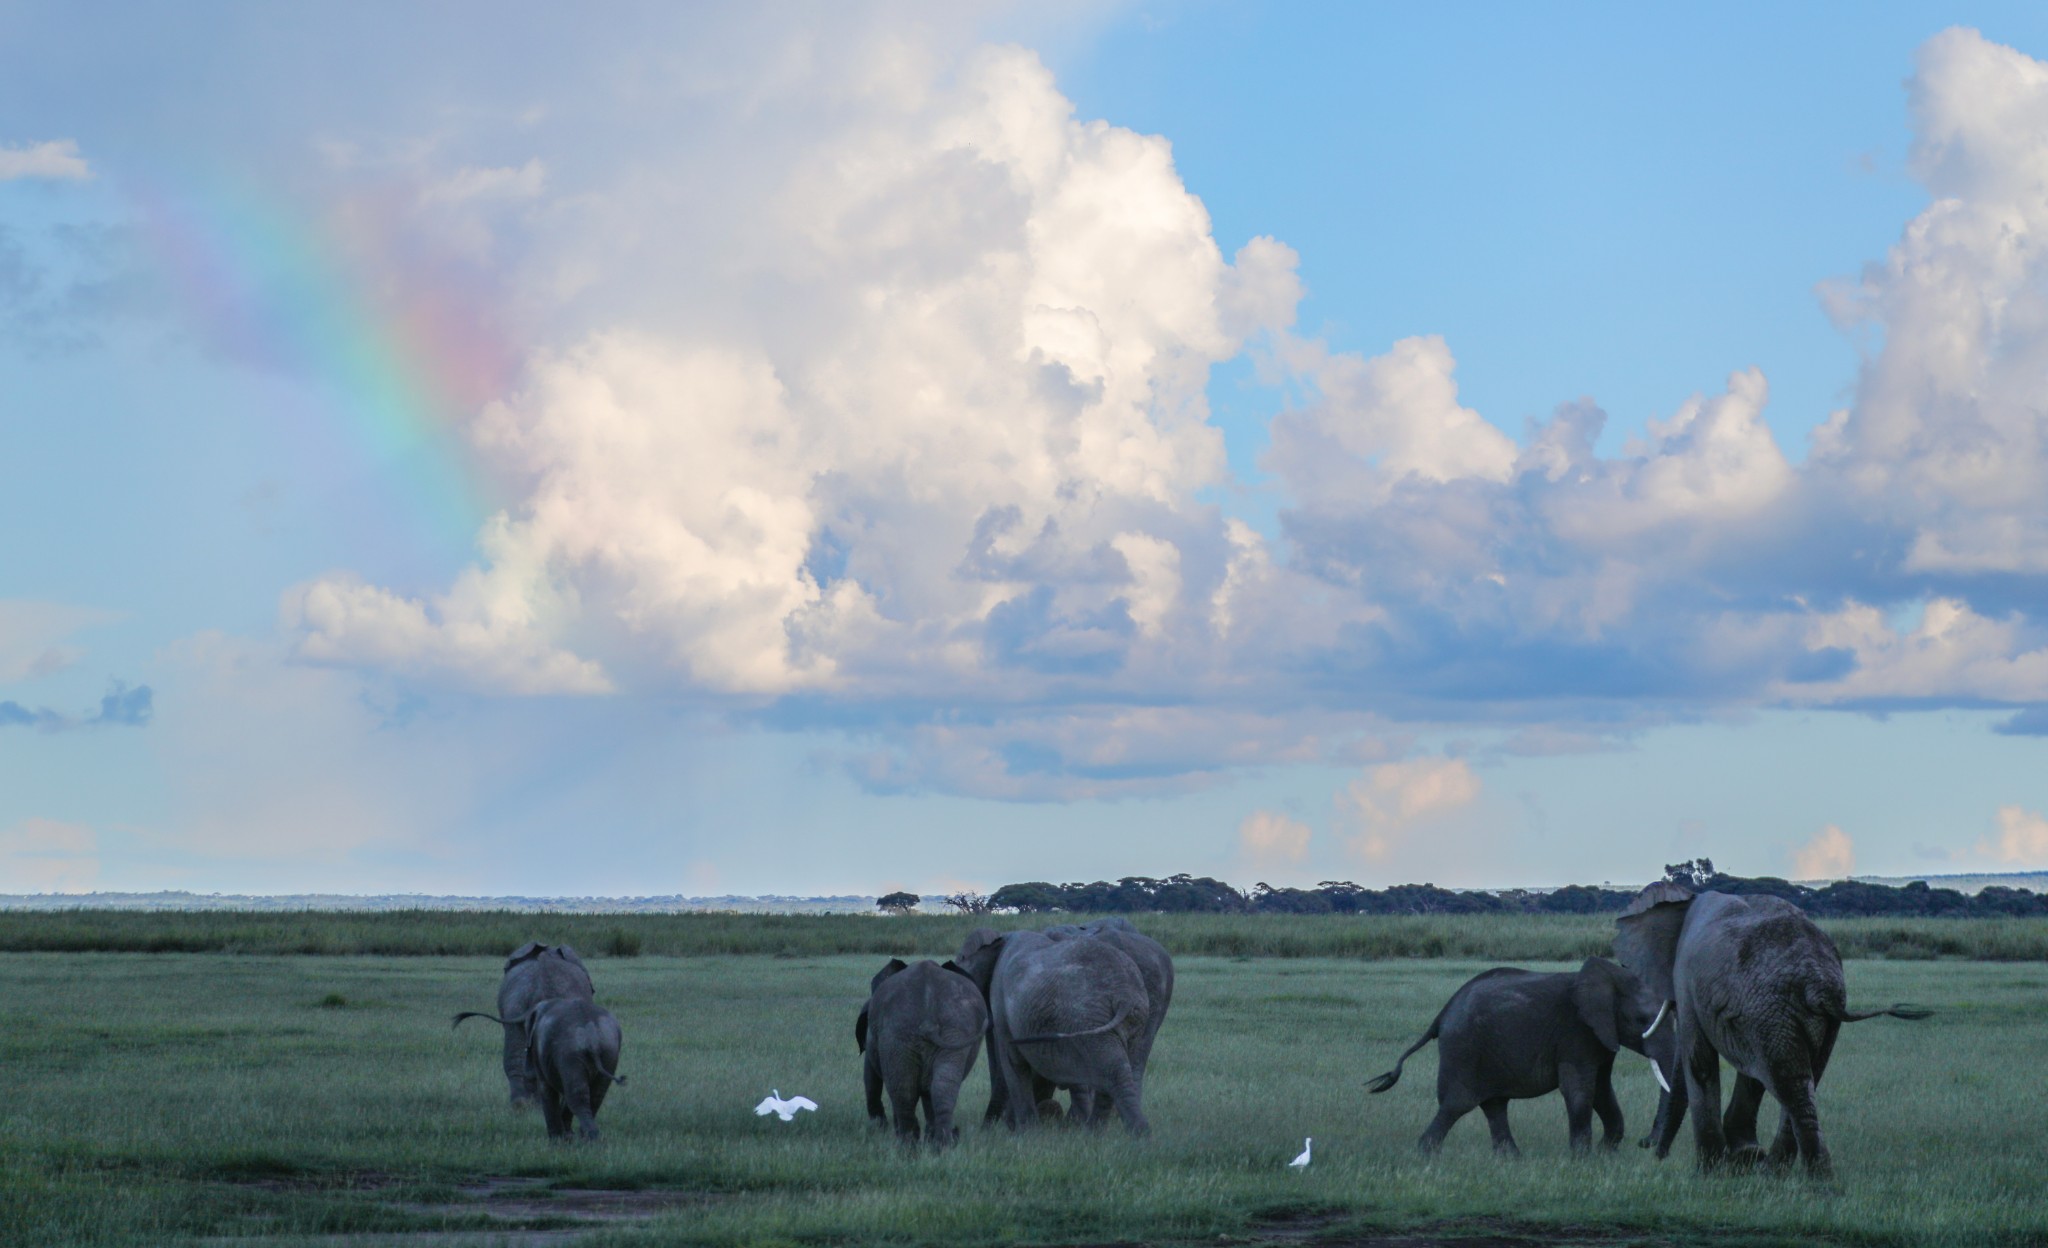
(293, 1079)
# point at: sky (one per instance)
(826, 448)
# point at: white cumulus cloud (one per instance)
(2022, 837)
(1270, 838)
(56, 160)
(1830, 855)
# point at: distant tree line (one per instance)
(1189, 894)
(1846, 899)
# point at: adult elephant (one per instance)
(1062, 1013)
(1755, 981)
(1155, 966)
(533, 974)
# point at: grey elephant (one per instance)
(533, 974)
(1062, 1013)
(1511, 1034)
(918, 1036)
(1753, 980)
(1154, 964)
(571, 1059)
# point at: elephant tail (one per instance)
(502, 1022)
(1122, 1012)
(1897, 1011)
(599, 1067)
(1392, 1077)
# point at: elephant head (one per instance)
(1625, 1013)
(860, 1025)
(978, 955)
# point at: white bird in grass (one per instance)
(787, 1109)
(1301, 1162)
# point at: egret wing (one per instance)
(802, 1102)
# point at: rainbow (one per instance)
(398, 347)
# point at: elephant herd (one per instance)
(1698, 979)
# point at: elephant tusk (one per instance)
(1658, 1071)
(1653, 1023)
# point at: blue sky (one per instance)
(836, 449)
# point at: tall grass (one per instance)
(428, 933)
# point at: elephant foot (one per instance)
(1746, 1159)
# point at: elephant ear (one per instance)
(531, 949)
(860, 1030)
(977, 956)
(569, 954)
(1646, 934)
(895, 965)
(1593, 995)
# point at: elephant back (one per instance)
(1072, 986)
(942, 1008)
(537, 973)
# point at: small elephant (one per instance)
(571, 1058)
(533, 974)
(1752, 980)
(1062, 1014)
(918, 1035)
(1511, 1034)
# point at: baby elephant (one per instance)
(919, 1033)
(1510, 1034)
(572, 1054)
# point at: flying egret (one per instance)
(787, 1109)
(1301, 1162)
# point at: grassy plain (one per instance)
(181, 1098)
(432, 933)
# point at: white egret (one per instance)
(774, 1104)
(1301, 1162)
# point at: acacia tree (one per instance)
(970, 903)
(898, 903)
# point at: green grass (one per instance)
(180, 1098)
(426, 933)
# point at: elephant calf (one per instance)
(1511, 1034)
(571, 1059)
(918, 1034)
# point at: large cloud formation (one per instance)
(918, 446)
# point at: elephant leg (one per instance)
(578, 1106)
(1703, 1088)
(1578, 1088)
(518, 1074)
(1795, 1093)
(1496, 1111)
(1738, 1123)
(555, 1112)
(1612, 1126)
(903, 1101)
(1785, 1149)
(998, 1091)
(1129, 1097)
(871, 1075)
(1440, 1126)
(947, 1076)
(1020, 1107)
